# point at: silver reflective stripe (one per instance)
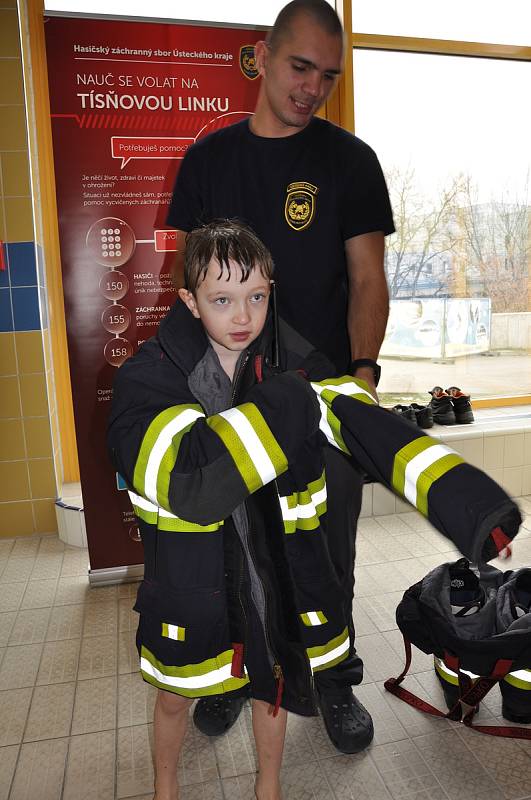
(419, 464)
(318, 661)
(314, 619)
(173, 632)
(162, 443)
(192, 682)
(250, 440)
(451, 674)
(347, 389)
(141, 502)
(302, 510)
(523, 675)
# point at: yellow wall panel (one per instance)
(13, 129)
(11, 440)
(2, 218)
(33, 394)
(14, 483)
(16, 519)
(38, 437)
(8, 363)
(15, 173)
(9, 38)
(42, 478)
(10, 394)
(29, 351)
(19, 219)
(11, 85)
(45, 518)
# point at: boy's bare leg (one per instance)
(170, 720)
(269, 733)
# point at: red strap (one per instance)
(258, 368)
(451, 661)
(280, 690)
(236, 669)
(471, 697)
(501, 540)
(3, 264)
(502, 668)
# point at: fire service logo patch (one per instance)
(299, 209)
(248, 62)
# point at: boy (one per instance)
(223, 450)
(229, 604)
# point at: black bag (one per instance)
(492, 640)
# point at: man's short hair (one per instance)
(224, 240)
(321, 11)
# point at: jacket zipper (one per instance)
(277, 669)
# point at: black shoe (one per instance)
(461, 403)
(406, 412)
(423, 415)
(215, 715)
(441, 407)
(347, 722)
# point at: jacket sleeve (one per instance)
(460, 500)
(200, 468)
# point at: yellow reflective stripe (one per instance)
(256, 453)
(326, 392)
(158, 451)
(146, 511)
(520, 678)
(165, 520)
(449, 675)
(329, 654)
(175, 632)
(212, 676)
(301, 510)
(418, 465)
(312, 618)
(178, 525)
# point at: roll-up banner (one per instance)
(127, 99)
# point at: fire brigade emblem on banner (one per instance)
(300, 205)
(248, 62)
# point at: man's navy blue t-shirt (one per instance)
(304, 195)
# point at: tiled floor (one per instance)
(75, 715)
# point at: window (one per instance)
(453, 134)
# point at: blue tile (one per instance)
(22, 267)
(6, 315)
(26, 309)
(4, 273)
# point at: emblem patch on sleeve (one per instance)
(300, 205)
(248, 61)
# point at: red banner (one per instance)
(127, 100)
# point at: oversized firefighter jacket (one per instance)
(253, 473)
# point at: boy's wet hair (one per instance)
(224, 240)
(320, 10)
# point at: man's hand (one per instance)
(366, 374)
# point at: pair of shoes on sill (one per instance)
(450, 406)
(347, 721)
(415, 413)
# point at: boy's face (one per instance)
(233, 313)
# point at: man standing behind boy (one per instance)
(317, 197)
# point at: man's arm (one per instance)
(368, 299)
